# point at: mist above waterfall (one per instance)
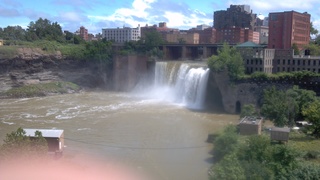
(178, 82)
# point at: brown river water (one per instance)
(162, 138)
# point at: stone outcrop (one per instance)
(32, 66)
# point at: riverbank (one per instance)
(44, 89)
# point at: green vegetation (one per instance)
(248, 110)
(17, 145)
(312, 115)
(255, 157)
(42, 89)
(228, 59)
(286, 107)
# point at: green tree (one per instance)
(307, 170)
(99, 51)
(284, 161)
(225, 143)
(313, 31)
(44, 29)
(153, 39)
(17, 144)
(296, 49)
(314, 49)
(275, 106)
(228, 59)
(312, 115)
(248, 110)
(13, 33)
(228, 168)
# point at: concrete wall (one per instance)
(127, 71)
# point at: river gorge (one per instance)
(161, 130)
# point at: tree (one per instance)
(314, 48)
(228, 168)
(313, 31)
(296, 49)
(44, 29)
(228, 59)
(248, 110)
(153, 39)
(17, 144)
(275, 106)
(225, 143)
(13, 33)
(312, 115)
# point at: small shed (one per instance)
(279, 134)
(250, 125)
(54, 138)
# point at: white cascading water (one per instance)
(182, 83)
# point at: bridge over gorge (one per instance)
(185, 51)
(189, 51)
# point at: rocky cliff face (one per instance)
(32, 66)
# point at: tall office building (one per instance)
(235, 16)
(288, 28)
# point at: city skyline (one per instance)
(98, 14)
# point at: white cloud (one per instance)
(127, 15)
(179, 20)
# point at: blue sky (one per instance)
(98, 14)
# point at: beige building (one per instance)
(263, 34)
(1, 42)
(250, 126)
(256, 57)
(182, 38)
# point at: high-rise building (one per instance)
(288, 28)
(235, 16)
(122, 35)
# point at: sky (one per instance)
(97, 14)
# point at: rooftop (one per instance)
(45, 132)
(278, 129)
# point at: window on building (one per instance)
(292, 69)
(288, 69)
(308, 62)
(251, 61)
(279, 61)
(298, 62)
(283, 69)
(314, 70)
(314, 63)
(247, 61)
(293, 62)
(288, 61)
(303, 62)
(278, 69)
(284, 62)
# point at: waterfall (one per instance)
(183, 83)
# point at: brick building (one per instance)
(234, 35)
(182, 38)
(206, 36)
(83, 33)
(287, 28)
(235, 16)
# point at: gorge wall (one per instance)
(33, 66)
